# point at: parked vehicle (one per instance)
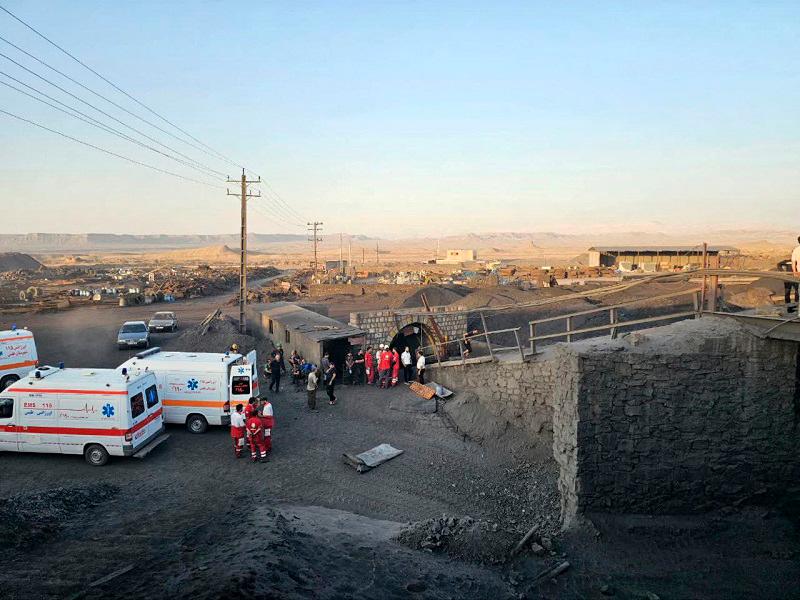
(133, 333)
(94, 412)
(17, 355)
(163, 321)
(198, 389)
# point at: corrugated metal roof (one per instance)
(308, 323)
(672, 249)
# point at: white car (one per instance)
(163, 321)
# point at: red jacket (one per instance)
(395, 364)
(369, 359)
(254, 427)
(386, 361)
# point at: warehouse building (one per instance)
(308, 332)
(455, 257)
(656, 258)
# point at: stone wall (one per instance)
(382, 325)
(678, 419)
(516, 392)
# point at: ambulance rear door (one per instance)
(251, 359)
(145, 411)
(241, 384)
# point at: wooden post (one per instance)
(486, 333)
(612, 318)
(569, 329)
(696, 303)
(714, 283)
(519, 345)
(533, 337)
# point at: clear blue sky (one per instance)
(397, 118)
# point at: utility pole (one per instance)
(341, 256)
(376, 253)
(315, 227)
(349, 254)
(243, 247)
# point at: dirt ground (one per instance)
(191, 521)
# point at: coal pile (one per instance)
(31, 518)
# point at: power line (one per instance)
(112, 117)
(76, 114)
(116, 87)
(109, 152)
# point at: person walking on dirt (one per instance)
(267, 422)
(405, 358)
(349, 369)
(395, 367)
(369, 365)
(420, 367)
(255, 435)
(311, 388)
(330, 382)
(238, 429)
(275, 373)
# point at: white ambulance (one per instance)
(198, 389)
(17, 355)
(94, 412)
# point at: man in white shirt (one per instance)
(311, 388)
(796, 270)
(420, 366)
(238, 429)
(405, 358)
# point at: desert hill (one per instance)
(13, 261)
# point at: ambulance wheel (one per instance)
(196, 424)
(7, 381)
(95, 455)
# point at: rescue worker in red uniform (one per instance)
(369, 362)
(238, 430)
(267, 422)
(395, 367)
(251, 408)
(255, 435)
(385, 366)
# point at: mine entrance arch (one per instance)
(412, 336)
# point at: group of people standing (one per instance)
(382, 367)
(254, 424)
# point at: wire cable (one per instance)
(109, 152)
(120, 90)
(112, 117)
(75, 113)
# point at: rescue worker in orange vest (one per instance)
(395, 367)
(267, 421)
(385, 366)
(369, 365)
(238, 428)
(255, 435)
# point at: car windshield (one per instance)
(162, 316)
(134, 328)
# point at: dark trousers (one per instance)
(408, 373)
(312, 399)
(276, 382)
(788, 286)
(329, 390)
(421, 375)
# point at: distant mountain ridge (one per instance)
(82, 242)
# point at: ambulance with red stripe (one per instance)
(198, 389)
(17, 355)
(94, 412)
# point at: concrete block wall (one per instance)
(516, 392)
(664, 428)
(382, 325)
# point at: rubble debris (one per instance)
(32, 518)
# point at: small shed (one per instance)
(649, 258)
(310, 333)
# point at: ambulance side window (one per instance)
(6, 408)
(137, 405)
(151, 394)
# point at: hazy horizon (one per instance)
(413, 120)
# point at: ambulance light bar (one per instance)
(150, 352)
